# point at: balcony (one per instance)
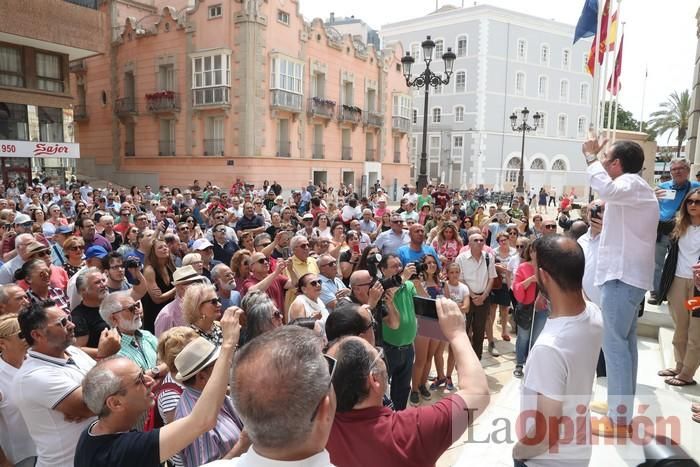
(284, 100)
(370, 155)
(125, 106)
(346, 153)
(397, 157)
(84, 3)
(284, 149)
(318, 151)
(374, 119)
(77, 66)
(129, 149)
(80, 113)
(321, 108)
(163, 102)
(214, 147)
(401, 124)
(350, 114)
(166, 147)
(212, 97)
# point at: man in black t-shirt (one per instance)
(92, 287)
(120, 392)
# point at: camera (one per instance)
(391, 282)
(421, 267)
(596, 212)
(132, 263)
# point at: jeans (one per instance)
(522, 342)
(517, 463)
(400, 360)
(662, 246)
(480, 314)
(620, 304)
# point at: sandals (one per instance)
(675, 381)
(668, 372)
(505, 337)
(518, 372)
(695, 407)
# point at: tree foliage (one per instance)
(672, 117)
(625, 120)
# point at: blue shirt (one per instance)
(329, 287)
(669, 207)
(409, 255)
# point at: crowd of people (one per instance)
(248, 327)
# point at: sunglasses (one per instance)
(330, 263)
(331, 370)
(380, 356)
(692, 202)
(262, 261)
(478, 240)
(304, 246)
(550, 227)
(26, 224)
(313, 283)
(213, 301)
(42, 253)
(63, 322)
(76, 248)
(132, 308)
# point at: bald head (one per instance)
(359, 277)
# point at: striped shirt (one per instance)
(140, 348)
(215, 443)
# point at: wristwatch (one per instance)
(591, 158)
(155, 372)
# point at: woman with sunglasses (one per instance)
(308, 303)
(240, 266)
(500, 297)
(677, 285)
(37, 274)
(74, 247)
(201, 308)
(18, 445)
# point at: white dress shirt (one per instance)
(589, 245)
(628, 241)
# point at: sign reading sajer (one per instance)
(36, 149)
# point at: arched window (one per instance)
(512, 170)
(559, 164)
(562, 123)
(537, 164)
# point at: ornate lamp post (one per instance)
(426, 79)
(524, 128)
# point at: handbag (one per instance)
(498, 281)
(668, 272)
(523, 315)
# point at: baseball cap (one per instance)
(22, 219)
(65, 229)
(95, 251)
(201, 244)
(308, 216)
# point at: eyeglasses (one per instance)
(76, 248)
(330, 263)
(380, 356)
(117, 266)
(314, 283)
(212, 301)
(304, 246)
(42, 253)
(185, 229)
(550, 227)
(132, 308)
(692, 202)
(513, 234)
(262, 261)
(478, 240)
(331, 370)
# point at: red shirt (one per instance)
(412, 437)
(441, 198)
(275, 290)
(524, 295)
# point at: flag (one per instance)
(614, 84)
(588, 21)
(612, 34)
(601, 42)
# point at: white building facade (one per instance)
(505, 61)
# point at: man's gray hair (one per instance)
(100, 383)
(111, 304)
(4, 292)
(294, 242)
(216, 270)
(680, 161)
(81, 282)
(258, 308)
(276, 406)
(261, 237)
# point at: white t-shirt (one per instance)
(458, 292)
(688, 252)
(561, 366)
(14, 435)
(253, 459)
(39, 386)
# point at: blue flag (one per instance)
(588, 22)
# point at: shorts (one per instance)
(501, 296)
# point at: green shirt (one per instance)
(141, 348)
(405, 334)
(423, 200)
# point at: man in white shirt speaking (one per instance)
(625, 268)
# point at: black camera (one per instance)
(132, 263)
(421, 267)
(391, 282)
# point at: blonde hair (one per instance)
(192, 301)
(683, 218)
(172, 342)
(190, 258)
(9, 325)
(73, 241)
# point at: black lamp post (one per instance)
(524, 128)
(426, 79)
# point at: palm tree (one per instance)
(673, 117)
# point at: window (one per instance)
(214, 131)
(283, 17)
(166, 77)
(542, 128)
(581, 127)
(544, 55)
(537, 164)
(564, 90)
(522, 49)
(283, 143)
(286, 75)
(318, 85)
(14, 123)
(459, 114)
(414, 116)
(559, 164)
(460, 81)
(561, 125)
(542, 87)
(11, 67)
(583, 95)
(437, 115)
(50, 124)
(565, 59)
(520, 83)
(166, 146)
(457, 145)
(211, 75)
(439, 47)
(434, 145)
(512, 170)
(371, 100)
(402, 106)
(215, 11)
(48, 72)
(415, 51)
(461, 46)
(347, 93)
(397, 149)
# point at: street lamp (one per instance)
(524, 128)
(426, 79)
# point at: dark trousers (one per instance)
(600, 370)
(400, 360)
(480, 314)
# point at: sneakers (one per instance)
(437, 383)
(652, 299)
(493, 351)
(424, 392)
(518, 372)
(415, 398)
(448, 384)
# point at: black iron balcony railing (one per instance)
(163, 101)
(125, 106)
(320, 107)
(166, 147)
(214, 147)
(349, 113)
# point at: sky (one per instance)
(660, 36)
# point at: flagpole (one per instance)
(595, 95)
(604, 75)
(644, 93)
(613, 97)
(616, 82)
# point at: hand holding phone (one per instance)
(668, 194)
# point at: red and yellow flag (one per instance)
(602, 43)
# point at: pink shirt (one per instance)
(524, 295)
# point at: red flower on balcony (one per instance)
(158, 95)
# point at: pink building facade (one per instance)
(228, 89)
